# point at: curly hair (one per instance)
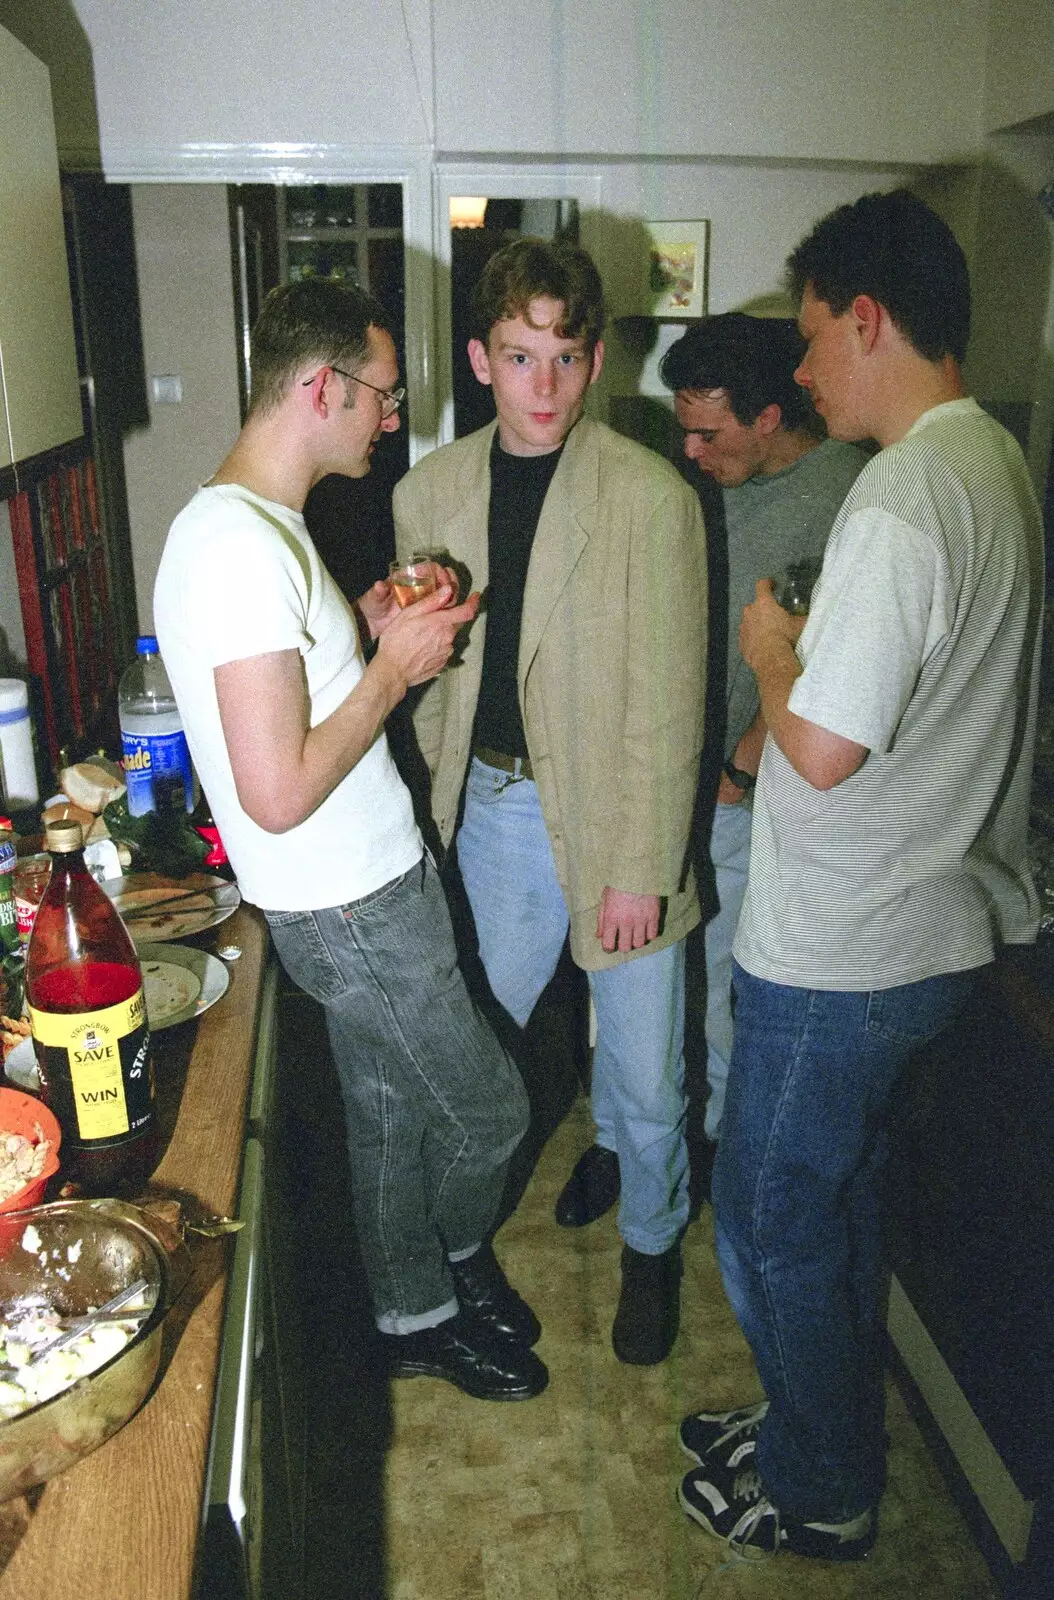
(529, 269)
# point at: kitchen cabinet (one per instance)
(972, 1248)
(38, 362)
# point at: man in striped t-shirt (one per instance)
(888, 860)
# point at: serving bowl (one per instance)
(78, 1254)
(26, 1115)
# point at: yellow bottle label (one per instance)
(94, 1044)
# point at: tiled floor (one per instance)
(419, 1493)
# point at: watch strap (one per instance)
(742, 780)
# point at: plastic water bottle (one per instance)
(157, 765)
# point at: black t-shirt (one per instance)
(518, 487)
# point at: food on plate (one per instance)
(66, 810)
(13, 1032)
(169, 989)
(21, 1160)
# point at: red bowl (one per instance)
(25, 1114)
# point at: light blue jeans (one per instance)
(434, 1106)
(730, 855)
(521, 921)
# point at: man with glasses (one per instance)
(285, 721)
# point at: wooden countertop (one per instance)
(123, 1524)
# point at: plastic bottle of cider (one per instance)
(87, 1012)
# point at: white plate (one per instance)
(180, 983)
(191, 904)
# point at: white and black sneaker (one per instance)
(729, 1502)
(721, 1434)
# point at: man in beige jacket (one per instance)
(577, 712)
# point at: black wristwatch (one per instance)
(742, 780)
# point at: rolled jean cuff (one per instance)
(398, 1322)
(465, 1253)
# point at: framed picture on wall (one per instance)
(675, 276)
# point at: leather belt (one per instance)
(519, 766)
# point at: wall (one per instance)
(758, 212)
(187, 306)
(1019, 69)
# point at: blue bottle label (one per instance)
(158, 772)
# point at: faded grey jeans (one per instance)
(434, 1105)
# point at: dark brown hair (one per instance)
(893, 248)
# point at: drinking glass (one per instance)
(793, 587)
(412, 580)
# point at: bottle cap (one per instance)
(146, 645)
(62, 837)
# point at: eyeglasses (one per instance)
(391, 399)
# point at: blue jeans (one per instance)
(797, 1207)
(521, 922)
(730, 855)
(434, 1106)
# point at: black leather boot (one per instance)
(649, 1308)
(484, 1292)
(592, 1188)
(487, 1367)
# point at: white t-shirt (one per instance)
(922, 644)
(239, 578)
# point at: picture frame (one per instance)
(675, 275)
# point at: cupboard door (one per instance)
(39, 362)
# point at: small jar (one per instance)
(31, 879)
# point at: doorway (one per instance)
(352, 233)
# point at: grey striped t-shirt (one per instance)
(922, 644)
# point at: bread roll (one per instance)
(93, 784)
(66, 811)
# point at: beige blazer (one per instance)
(612, 664)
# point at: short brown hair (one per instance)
(529, 269)
(316, 320)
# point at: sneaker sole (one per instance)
(800, 1540)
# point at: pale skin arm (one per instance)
(283, 768)
(767, 636)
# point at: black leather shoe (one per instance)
(649, 1307)
(592, 1188)
(484, 1292)
(460, 1351)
